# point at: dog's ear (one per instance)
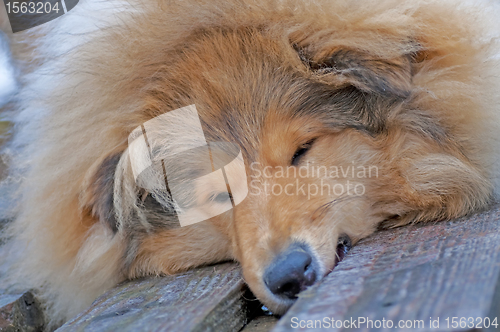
(388, 76)
(98, 192)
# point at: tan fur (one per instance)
(417, 83)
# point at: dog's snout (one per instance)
(291, 272)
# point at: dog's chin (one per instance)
(277, 305)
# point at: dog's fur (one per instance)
(409, 87)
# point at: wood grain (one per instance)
(20, 312)
(211, 298)
(436, 270)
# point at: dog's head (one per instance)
(335, 140)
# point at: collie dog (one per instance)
(347, 116)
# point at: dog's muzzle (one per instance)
(292, 271)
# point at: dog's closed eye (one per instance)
(222, 197)
(301, 152)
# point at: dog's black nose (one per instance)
(290, 272)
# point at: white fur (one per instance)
(8, 83)
(53, 40)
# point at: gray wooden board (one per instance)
(210, 298)
(261, 324)
(20, 312)
(439, 270)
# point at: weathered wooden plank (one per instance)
(20, 312)
(261, 324)
(5, 200)
(211, 298)
(416, 273)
